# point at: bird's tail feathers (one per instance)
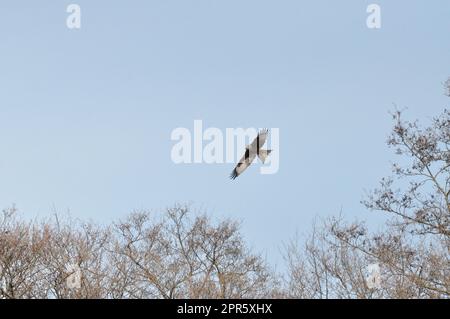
(263, 154)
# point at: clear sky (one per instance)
(86, 115)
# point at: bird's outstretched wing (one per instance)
(260, 140)
(245, 162)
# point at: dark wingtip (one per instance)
(233, 175)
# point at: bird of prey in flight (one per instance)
(251, 151)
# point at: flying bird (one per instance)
(251, 151)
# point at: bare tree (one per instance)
(35, 258)
(323, 267)
(177, 257)
(20, 251)
(413, 251)
(165, 255)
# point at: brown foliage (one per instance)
(142, 257)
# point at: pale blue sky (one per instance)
(86, 115)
